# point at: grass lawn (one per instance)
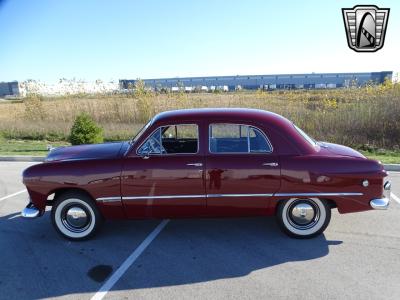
(25, 147)
(386, 157)
(39, 148)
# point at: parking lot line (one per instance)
(12, 195)
(128, 262)
(13, 217)
(395, 198)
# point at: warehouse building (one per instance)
(266, 82)
(9, 89)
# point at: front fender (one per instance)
(97, 177)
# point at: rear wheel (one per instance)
(75, 216)
(303, 218)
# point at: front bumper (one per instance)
(30, 211)
(382, 203)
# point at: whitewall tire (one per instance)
(303, 218)
(75, 216)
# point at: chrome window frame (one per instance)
(141, 131)
(305, 136)
(248, 139)
(170, 154)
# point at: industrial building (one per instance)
(9, 89)
(266, 82)
(225, 83)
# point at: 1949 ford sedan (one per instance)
(206, 163)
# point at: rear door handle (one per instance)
(271, 164)
(195, 164)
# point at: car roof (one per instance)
(221, 113)
(267, 119)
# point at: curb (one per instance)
(392, 167)
(24, 158)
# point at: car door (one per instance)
(242, 170)
(164, 177)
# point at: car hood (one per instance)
(94, 151)
(335, 149)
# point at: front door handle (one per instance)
(271, 164)
(195, 164)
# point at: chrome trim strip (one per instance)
(115, 199)
(237, 195)
(316, 194)
(163, 197)
(109, 199)
(196, 196)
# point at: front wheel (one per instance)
(75, 216)
(303, 218)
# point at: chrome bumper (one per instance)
(382, 203)
(30, 211)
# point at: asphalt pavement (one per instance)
(358, 256)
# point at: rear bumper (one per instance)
(382, 203)
(30, 211)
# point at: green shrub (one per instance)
(85, 131)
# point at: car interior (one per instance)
(180, 139)
(182, 145)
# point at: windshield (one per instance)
(141, 131)
(306, 136)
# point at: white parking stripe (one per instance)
(13, 217)
(128, 262)
(395, 198)
(12, 195)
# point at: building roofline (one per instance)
(259, 75)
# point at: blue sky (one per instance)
(48, 40)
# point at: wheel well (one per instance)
(57, 193)
(331, 203)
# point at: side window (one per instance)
(258, 143)
(180, 138)
(236, 138)
(228, 138)
(173, 139)
(153, 144)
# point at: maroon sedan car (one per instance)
(206, 163)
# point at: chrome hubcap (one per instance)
(76, 218)
(303, 214)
